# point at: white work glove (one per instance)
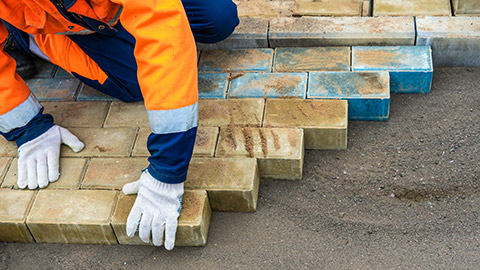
(38, 159)
(156, 209)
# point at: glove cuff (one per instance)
(156, 186)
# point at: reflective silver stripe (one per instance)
(83, 32)
(115, 18)
(20, 115)
(33, 46)
(173, 121)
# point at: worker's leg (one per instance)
(105, 63)
(211, 21)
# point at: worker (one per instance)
(131, 50)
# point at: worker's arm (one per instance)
(166, 58)
(22, 120)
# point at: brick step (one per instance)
(367, 93)
(279, 151)
(410, 68)
(88, 217)
(231, 183)
(324, 121)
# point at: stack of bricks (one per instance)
(259, 110)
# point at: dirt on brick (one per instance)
(373, 86)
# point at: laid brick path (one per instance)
(259, 110)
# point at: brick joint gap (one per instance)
(82, 176)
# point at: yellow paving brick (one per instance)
(140, 147)
(264, 8)
(14, 207)
(193, 223)
(411, 8)
(71, 172)
(73, 216)
(204, 143)
(231, 183)
(324, 121)
(4, 164)
(103, 142)
(7, 149)
(231, 112)
(113, 173)
(328, 8)
(77, 114)
(123, 114)
(279, 151)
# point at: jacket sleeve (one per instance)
(166, 59)
(21, 117)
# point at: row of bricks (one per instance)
(324, 122)
(410, 70)
(279, 151)
(232, 183)
(287, 8)
(454, 40)
(90, 216)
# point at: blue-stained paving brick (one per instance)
(242, 60)
(89, 94)
(61, 73)
(53, 89)
(410, 67)
(310, 59)
(273, 85)
(368, 93)
(45, 69)
(212, 85)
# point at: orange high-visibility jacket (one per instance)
(165, 53)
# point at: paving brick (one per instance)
(89, 94)
(140, 147)
(73, 216)
(411, 8)
(4, 164)
(204, 144)
(77, 114)
(341, 31)
(410, 67)
(212, 85)
(231, 112)
(231, 183)
(324, 121)
(236, 60)
(124, 114)
(62, 73)
(311, 59)
(54, 89)
(271, 85)
(455, 41)
(45, 69)
(14, 207)
(368, 93)
(279, 150)
(71, 173)
(193, 223)
(328, 8)
(113, 173)
(466, 7)
(250, 33)
(366, 9)
(103, 142)
(7, 149)
(264, 8)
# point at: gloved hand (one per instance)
(156, 209)
(38, 159)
